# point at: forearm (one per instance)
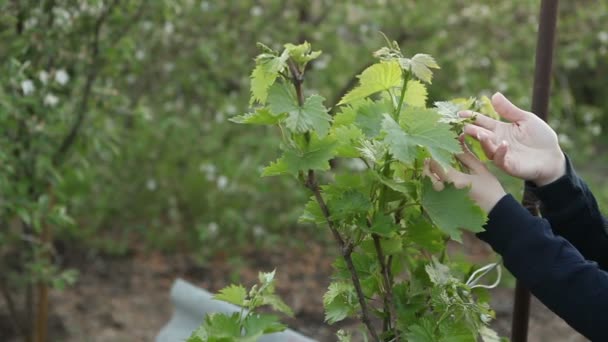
(574, 288)
(571, 209)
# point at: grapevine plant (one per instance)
(389, 224)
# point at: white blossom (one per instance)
(151, 184)
(602, 36)
(213, 227)
(27, 86)
(50, 100)
(140, 55)
(205, 6)
(258, 230)
(222, 182)
(43, 76)
(62, 77)
(256, 11)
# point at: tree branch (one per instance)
(83, 106)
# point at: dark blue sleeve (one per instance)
(573, 213)
(574, 288)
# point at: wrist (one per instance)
(555, 172)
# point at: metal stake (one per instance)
(540, 103)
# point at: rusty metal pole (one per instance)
(545, 45)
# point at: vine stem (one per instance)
(347, 251)
(346, 248)
(402, 97)
(389, 307)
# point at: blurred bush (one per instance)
(155, 159)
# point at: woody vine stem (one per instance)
(346, 247)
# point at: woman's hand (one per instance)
(485, 189)
(526, 147)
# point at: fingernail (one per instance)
(463, 113)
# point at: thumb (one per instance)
(506, 109)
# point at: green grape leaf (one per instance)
(456, 331)
(421, 129)
(262, 116)
(421, 332)
(219, 326)
(265, 74)
(257, 325)
(349, 203)
(427, 236)
(376, 78)
(420, 65)
(348, 140)
(340, 301)
(383, 225)
(234, 294)
(312, 213)
(315, 157)
(415, 94)
(369, 116)
(451, 209)
(312, 116)
(345, 116)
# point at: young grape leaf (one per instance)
(262, 116)
(302, 53)
(421, 129)
(312, 116)
(340, 301)
(451, 209)
(420, 66)
(438, 273)
(315, 157)
(378, 77)
(234, 294)
(265, 74)
(415, 94)
(257, 325)
(489, 335)
(276, 303)
(449, 109)
(312, 213)
(348, 140)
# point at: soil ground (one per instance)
(127, 299)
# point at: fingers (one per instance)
(480, 119)
(500, 157)
(506, 109)
(459, 179)
(469, 159)
(476, 131)
(487, 145)
(437, 183)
